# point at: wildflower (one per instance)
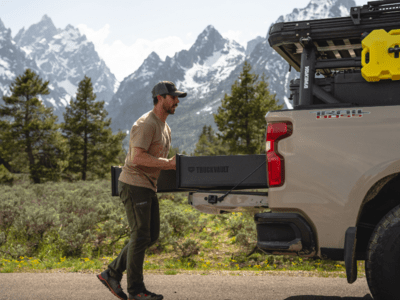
(147, 261)
(208, 263)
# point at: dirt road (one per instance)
(67, 286)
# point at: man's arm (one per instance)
(140, 157)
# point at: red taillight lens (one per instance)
(276, 167)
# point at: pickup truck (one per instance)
(332, 164)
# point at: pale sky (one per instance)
(125, 32)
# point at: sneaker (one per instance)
(112, 284)
(145, 295)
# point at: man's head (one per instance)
(166, 94)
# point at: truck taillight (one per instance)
(276, 166)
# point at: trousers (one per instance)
(143, 214)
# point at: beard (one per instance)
(170, 110)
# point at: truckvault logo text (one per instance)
(336, 114)
(306, 76)
(219, 169)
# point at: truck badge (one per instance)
(336, 114)
(306, 76)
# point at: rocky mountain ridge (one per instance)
(61, 56)
(206, 71)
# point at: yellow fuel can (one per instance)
(382, 49)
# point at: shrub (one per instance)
(79, 217)
(5, 176)
(186, 249)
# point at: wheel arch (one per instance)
(382, 197)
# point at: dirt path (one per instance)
(63, 286)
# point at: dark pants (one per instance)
(142, 211)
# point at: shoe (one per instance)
(146, 295)
(112, 284)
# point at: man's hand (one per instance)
(172, 163)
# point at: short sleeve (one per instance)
(142, 136)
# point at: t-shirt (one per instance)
(154, 136)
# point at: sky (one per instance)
(125, 32)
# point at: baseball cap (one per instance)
(167, 87)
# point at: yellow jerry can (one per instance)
(383, 49)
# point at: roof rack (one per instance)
(337, 40)
(326, 46)
(373, 8)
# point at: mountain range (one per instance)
(206, 71)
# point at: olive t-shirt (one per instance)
(154, 136)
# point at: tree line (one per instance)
(240, 118)
(32, 142)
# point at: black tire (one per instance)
(382, 264)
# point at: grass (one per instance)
(219, 254)
(210, 262)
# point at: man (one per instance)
(150, 141)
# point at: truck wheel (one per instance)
(382, 264)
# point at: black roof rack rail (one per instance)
(372, 9)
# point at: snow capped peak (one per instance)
(252, 44)
(153, 57)
(5, 34)
(209, 28)
(319, 9)
(36, 32)
(2, 25)
(148, 67)
(210, 32)
(209, 41)
(71, 33)
(45, 22)
(45, 18)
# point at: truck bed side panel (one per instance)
(332, 162)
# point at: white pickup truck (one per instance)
(333, 161)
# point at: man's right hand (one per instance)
(172, 163)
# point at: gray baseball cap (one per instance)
(167, 87)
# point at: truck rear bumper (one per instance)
(284, 233)
(207, 201)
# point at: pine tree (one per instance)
(29, 130)
(92, 145)
(209, 144)
(241, 117)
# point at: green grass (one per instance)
(174, 266)
(219, 242)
